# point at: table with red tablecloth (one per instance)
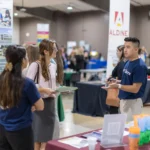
(56, 145)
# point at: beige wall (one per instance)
(143, 26)
(59, 28)
(16, 31)
(29, 25)
(132, 23)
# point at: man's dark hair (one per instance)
(134, 40)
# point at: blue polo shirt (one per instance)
(134, 72)
(20, 117)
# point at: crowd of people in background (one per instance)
(78, 58)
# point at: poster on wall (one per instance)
(6, 28)
(119, 17)
(42, 32)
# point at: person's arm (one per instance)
(127, 88)
(47, 91)
(131, 88)
(34, 97)
(120, 70)
(139, 75)
(39, 105)
(42, 90)
(114, 72)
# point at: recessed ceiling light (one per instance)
(69, 7)
(15, 14)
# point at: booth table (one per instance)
(56, 145)
(90, 98)
(94, 72)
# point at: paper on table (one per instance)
(75, 142)
(124, 134)
(63, 89)
(95, 134)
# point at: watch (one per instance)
(119, 86)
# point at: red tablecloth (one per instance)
(55, 145)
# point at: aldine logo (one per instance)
(119, 18)
(119, 28)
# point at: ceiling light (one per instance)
(69, 7)
(15, 14)
(23, 9)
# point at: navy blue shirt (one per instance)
(20, 117)
(134, 72)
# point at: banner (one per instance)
(118, 29)
(6, 28)
(42, 32)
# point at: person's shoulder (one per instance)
(29, 86)
(28, 83)
(126, 62)
(122, 62)
(34, 64)
(142, 63)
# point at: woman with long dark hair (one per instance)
(117, 72)
(44, 122)
(17, 96)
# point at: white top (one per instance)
(32, 70)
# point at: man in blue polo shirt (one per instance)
(134, 79)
